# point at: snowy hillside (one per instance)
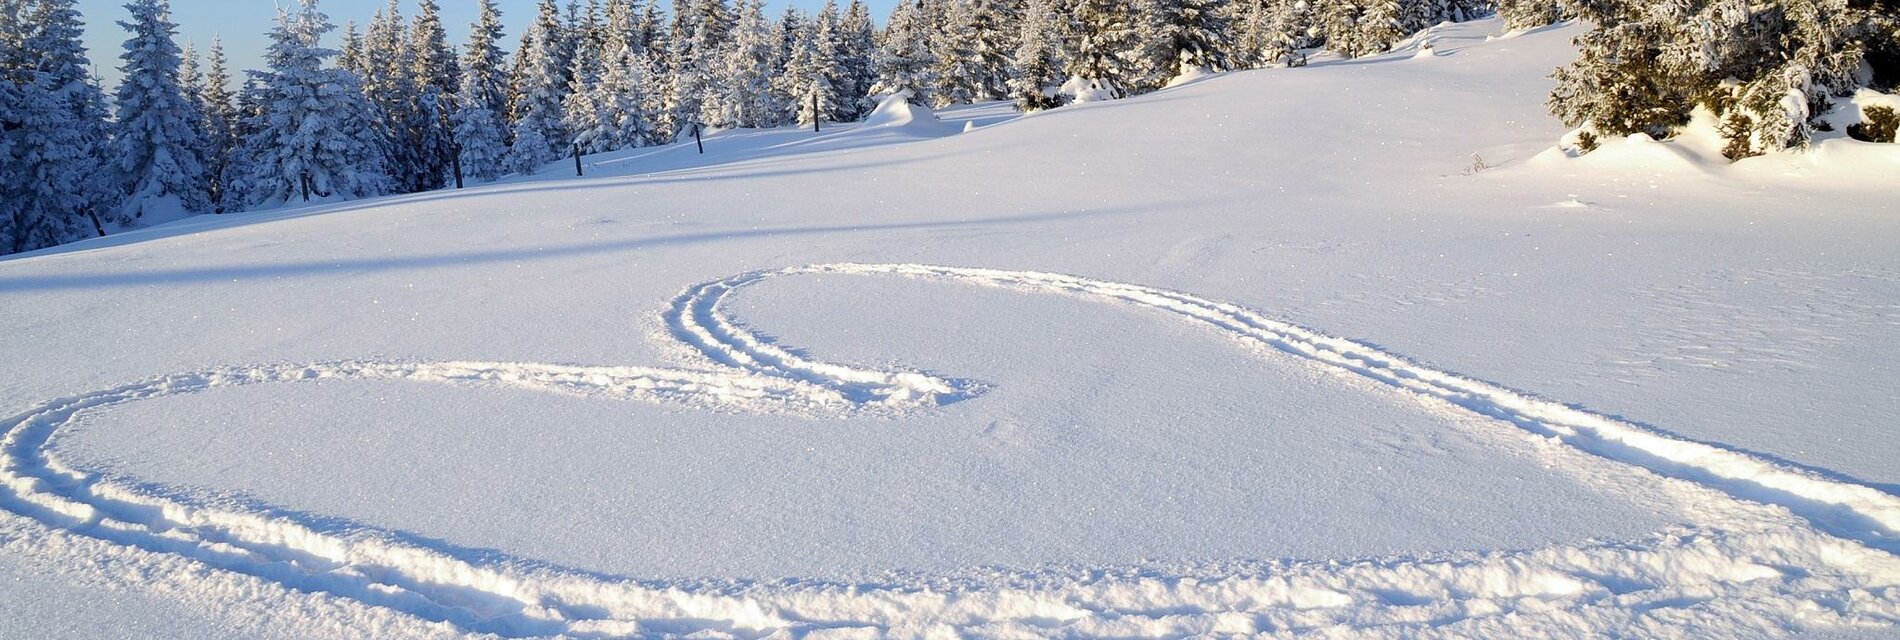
(1346, 350)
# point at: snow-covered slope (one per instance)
(1307, 373)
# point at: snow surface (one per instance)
(1310, 376)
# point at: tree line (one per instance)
(398, 109)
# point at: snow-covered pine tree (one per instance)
(953, 42)
(350, 58)
(1416, 15)
(619, 28)
(540, 89)
(1251, 21)
(1193, 35)
(857, 61)
(837, 100)
(1464, 10)
(395, 93)
(482, 98)
(807, 82)
(191, 80)
(1766, 69)
(42, 147)
(437, 77)
(158, 159)
(994, 23)
(1357, 28)
(249, 111)
(1382, 24)
(1149, 63)
(54, 130)
(905, 61)
(309, 131)
(697, 47)
(746, 95)
(578, 25)
(651, 31)
(1038, 58)
(1102, 39)
(625, 99)
(790, 30)
(580, 114)
(1530, 14)
(220, 122)
(628, 102)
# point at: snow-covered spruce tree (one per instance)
(807, 82)
(1101, 39)
(1792, 59)
(837, 99)
(789, 31)
(1251, 20)
(1416, 15)
(857, 61)
(1358, 28)
(481, 100)
(54, 130)
(158, 159)
(953, 42)
(220, 122)
(628, 103)
(40, 147)
(696, 51)
(650, 31)
(191, 82)
(625, 99)
(1383, 24)
(619, 27)
(576, 27)
(1529, 14)
(1038, 57)
(905, 61)
(308, 127)
(1290, 30)
(396, 93)
(1464, 10)
(1191, 35)
(541, 87)
(995, 23)
(249, 112)
(581, 116)
(437, 76)
(1766, 70)
(747, 96)
(350, 57)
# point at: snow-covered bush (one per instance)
(1767, 69)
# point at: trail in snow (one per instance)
(1748, 566)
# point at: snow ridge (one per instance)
(1746, 565)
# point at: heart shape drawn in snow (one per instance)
(1839, 550)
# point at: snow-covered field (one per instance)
(1261, 353)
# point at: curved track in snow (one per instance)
(1770, 543)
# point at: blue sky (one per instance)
(242, 23)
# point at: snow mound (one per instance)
(1189, 75)
(896, 111)
(1636, 152)
(1838, 161)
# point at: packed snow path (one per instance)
(1770, 544)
